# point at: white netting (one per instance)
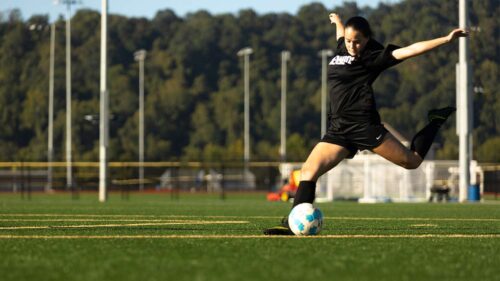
(370, 178)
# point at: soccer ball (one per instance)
(305, 219)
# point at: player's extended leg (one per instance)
(392, 150)
(423, 139)
(322, 158)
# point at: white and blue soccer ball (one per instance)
(305, 219)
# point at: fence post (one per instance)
(175, 187)
(223, 183)
(75, 195)
(15, 179)
(21, 171)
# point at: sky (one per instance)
(148, 8)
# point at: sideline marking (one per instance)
(123, 225)
(357, 236)
(424, 225)
(411, 219)
(249, 217)
(95, 220)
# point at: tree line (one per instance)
(194, 81)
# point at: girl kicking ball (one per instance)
(354, 123)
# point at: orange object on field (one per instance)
(288, 190)
(273, 196)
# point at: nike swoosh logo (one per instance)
(378, 137)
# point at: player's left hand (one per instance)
(456, 33)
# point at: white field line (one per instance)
(248, 217)
(423, 225)
(93, 220)
(356, 236)
(413, 219)
(123, 225)
(74, 215)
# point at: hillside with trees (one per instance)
(194, 85)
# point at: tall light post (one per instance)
(50, 141)
(246, 52)
(325, 53)
(104, 115)
(69, 173)
(324, 56)
(285, 56)
(464, 105)
(50, 117)
(140, 56)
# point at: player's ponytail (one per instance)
(360, 24)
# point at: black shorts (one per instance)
(357, 138)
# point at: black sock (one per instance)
(422, 141)
(305, 193)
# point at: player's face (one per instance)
(355, 41)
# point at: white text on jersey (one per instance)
(341, 60)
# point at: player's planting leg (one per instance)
(324, 157)
(306, 193)
(422, 141)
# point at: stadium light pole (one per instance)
(246, 52)
(104, 115)
(325, 53)
(69, 172)
(285, 56)
(50, 141)
(464, 105)
(140, 56)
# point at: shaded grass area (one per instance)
(348, 258)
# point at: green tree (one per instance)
(194, 85)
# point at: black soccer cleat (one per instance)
(278, 230)
(440, 115)
(282, 229)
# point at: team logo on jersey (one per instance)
(341, 60)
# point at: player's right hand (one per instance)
(334, 18)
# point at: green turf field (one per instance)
(200, 237)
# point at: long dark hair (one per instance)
(360, 24)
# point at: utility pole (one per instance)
(50, 141)
(69, 172)
(285, 56)
(140, 56)
(324, 56)
(464, 105)
(246, 52)
(104, 115)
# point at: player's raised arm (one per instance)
(424, 46)
(335, 19)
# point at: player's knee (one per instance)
(411, 163)
(411, 166)
(308, 172)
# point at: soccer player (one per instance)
(354, 123)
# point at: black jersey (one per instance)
(352, 104)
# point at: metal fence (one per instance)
(124, 176)
(366, 176)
